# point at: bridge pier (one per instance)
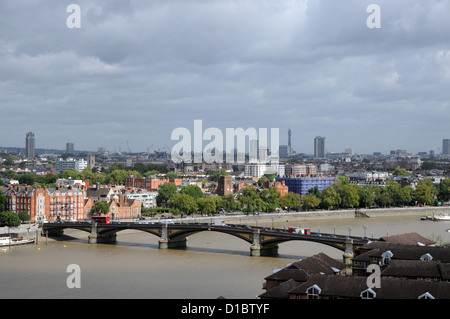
(348, 256)
(257, 249)
(166, 243)
(96, 238)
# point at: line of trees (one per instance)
(340, 195)
(191, 199)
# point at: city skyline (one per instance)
(319, 148)
(135, 71)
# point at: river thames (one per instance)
(213, 264)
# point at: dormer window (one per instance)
(313, 292)
(368, 294)
(386, 256)
(426, 295)
(426, 257)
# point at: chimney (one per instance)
(86, 184)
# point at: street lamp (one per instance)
(349, 230)
(365, 228)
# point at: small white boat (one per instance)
(442, 217)
(14, 239)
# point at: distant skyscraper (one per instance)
(320, 147)
(29, 145)
(289, 140)
(70, 149)
(446, 146)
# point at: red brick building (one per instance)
(52, 204)
(150, 183)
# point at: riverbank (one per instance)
(32, 228)
(322, 214)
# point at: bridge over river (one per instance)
(263, 241)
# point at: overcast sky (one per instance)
(137, 70)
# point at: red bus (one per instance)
(302, 231)
(101, 219)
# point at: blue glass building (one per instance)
(301, 185)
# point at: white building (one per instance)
(147, 199)
(64, 165)
(258, 169)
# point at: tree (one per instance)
(165, 192)
(366, 196)
(24, 216)
(382, 197)
(207, 205)
(349, 196)
(443, 190)
(2, 201)
(425, 192)
(214, 176)
(100, 208)
(310, 201)
(193, 191)
(172, 175)
(184, 203)
(9, 219)
(291, 200)
(227, 202)
(400, 172)
(330, 197)
(250, 201)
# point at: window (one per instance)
(313, 292)
(368, 294)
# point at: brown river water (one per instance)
(212, 265)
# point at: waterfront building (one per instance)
(301, 185)
(51, 204)
(122, 207)
(146, 199)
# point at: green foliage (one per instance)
(24, 216)
(2, 201)
(100, 208)
(165, 192)
(291, 200)
(425, 192)
(9, 219)
(207, 205)
(193, 191)
(310, 201)
(184, 203)
(214, 176)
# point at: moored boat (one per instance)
(14, 239)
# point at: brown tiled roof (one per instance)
(412, 268)
(408, 252)
(280, 291)
(353, 286)
(408, 239)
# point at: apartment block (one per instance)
(301, 185)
